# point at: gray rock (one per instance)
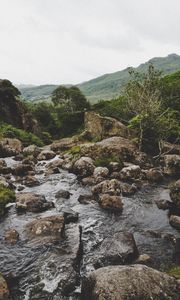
(136, 282)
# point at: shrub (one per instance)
(6, 196)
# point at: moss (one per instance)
(105, 161)
(174, 271)
(75, 150)
(6, 196)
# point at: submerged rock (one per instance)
(32, 202)
(63, 194)
(120, 248)
(4, 291)
(11, 236)
(46, 230)
(136, 282)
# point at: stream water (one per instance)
(37, 270)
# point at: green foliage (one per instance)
(105, 161)
(6, 88)
(174, 271)
(27, 138)
(75, 150)
(6, 196)
(70, 98)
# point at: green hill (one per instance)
(107, 86)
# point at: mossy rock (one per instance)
(6, 196)
(105, 161)
(174, 271)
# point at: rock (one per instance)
(115, 166)
(20, 188)
(32, 202)
(70, 216)
(175, 193)
(11, 236)
(88, 181)
(175, 221)
(172, 165)
(111, 187)
(85, 199)
(101, 127)
(136, 282)
(131, 172)
(128, 189)
(154, 175)
(101, 172)
(4, 291)
(18, 157)
(46, 155)
(2, 163)
(144, 259)
(31, 150)
(51, 171)
(84, 167)
(22, 170)
(63, 194)
(163, 204)
(117, 148)
(64, 144)
(55, 164)
(31, 181)
(5, 170)
(12, 144)
(112, 203)
(46, 230)
(29, 160)
(4, 182)
(120, 248)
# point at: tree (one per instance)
(70, 98)
(143, 96)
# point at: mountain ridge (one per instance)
(106, 86)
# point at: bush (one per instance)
(27, 138)
(6, 196)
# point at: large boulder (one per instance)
(136, 282)
(32, 202)
(103, 127)
(46, 230)
(115, 148)
(120, 248)
(84, 167)
(175, 193)
(4, 291)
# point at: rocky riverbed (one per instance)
(75, 222)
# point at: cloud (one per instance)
(67, 41)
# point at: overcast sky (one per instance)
(70, 41)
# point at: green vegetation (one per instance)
(175, 271)
(6, 196)
(27, 138)
(107, 86)
(105, 161)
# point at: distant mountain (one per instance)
(107, 86)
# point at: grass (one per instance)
(27, 138)
(105, 161)
(174, 271)
(6, 196)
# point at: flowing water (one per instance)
(37, 270)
